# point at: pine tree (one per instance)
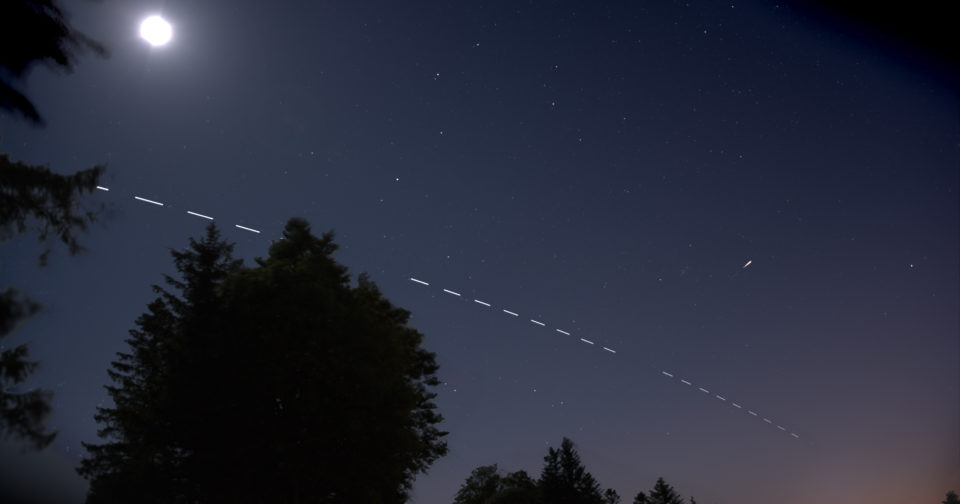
(641, 498)
(34, 199)
(565, 480)
(22, 413)
(145, 458)
(610, 496)
(280, 382)
(663, 493)
(32, 32)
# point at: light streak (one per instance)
(145, 200)
(247, 229)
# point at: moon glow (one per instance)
(156, 31)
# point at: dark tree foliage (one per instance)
(278, 383)
(483, 484)
(32, 32)
(610, 496)
(22, 414)
(517, 488)
(663, 493)
(565, 480)
(952, 498)
(33, 199)
(145, 458)
(486, 486)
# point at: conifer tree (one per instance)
(565, 480)
(34, 199)
(35, 32)
(145, 456)
(610, 496)
(663, 493)
(277, 383)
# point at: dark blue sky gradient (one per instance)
(606, 170)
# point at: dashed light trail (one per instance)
(511, 313)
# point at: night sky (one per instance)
(606, 171)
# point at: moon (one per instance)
(156, 31)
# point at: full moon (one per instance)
(156, 31)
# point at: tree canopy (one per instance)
(35, 32)
(278, 382)
(662, 493)
(34, 200)
(480, 487)
(564, 479)
(486, 486)
(22, 413)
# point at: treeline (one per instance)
(563, 480)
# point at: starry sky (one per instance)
(603, 169)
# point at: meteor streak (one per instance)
(749, 262)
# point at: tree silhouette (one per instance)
(483, 484)
(610, 496)
(280, 382)
(486, 486)
(663, 493)
(22, 414)
(952, 498)
(32, 32)
(516, 488)
(565, 480)
(33, 199)
(148, 429)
